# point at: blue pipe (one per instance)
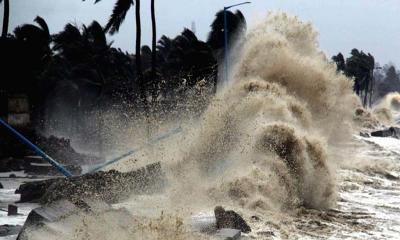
(37, 150)
(164, 136)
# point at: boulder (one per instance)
(230, 219)
(33, 191)
(389, 132)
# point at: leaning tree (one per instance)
(5, 17)
(117, 17)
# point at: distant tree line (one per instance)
(387, 80)
(371, 81)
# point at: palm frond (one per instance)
(96, 34)
(118, 15)
(42, 23)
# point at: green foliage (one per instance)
(360, 67)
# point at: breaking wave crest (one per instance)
(265, 142)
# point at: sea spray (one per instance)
(265, 142)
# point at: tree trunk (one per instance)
(153, 49)
(138, 57)
(372, 88)
(6, 18)
(366, 91)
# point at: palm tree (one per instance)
(154, 40)
(5, 17)
(117, 17)
(138, 57)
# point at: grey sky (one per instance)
(370, 25)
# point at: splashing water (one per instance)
(268, 144)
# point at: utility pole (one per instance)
(226, 54)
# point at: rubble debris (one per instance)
(7, 230)
(230, 219)
(228, 234)
(109, 186)
(33, 191)
(12, 210)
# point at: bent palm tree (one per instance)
(154, 39)
(117, 17)
(5, 17)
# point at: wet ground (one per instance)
(368, 202)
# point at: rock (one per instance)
(12, 210)
(230, 219)
(390, 132)
(33, 191)
(7, 230)
(107, 186)
(12, 175)
(1, 186)
(228, 234)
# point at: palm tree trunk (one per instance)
(153, 49)
(6, 18)
(139, 69)
(138, 57)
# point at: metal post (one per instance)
(36, 149)
(226, 54)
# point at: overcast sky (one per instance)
(370, 25)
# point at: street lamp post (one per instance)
(226, 37)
